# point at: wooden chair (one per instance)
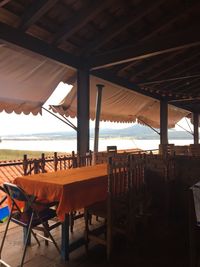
(194, 150)
(115, 209)
(80, 161)
(194, 224)
(101, 157)
(166, 149)
(111, 149)
(159, 174)
(138, 196)
(32, 216)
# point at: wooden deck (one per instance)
(156, 245)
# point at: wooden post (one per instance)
(163, 122)
(43, 163)
(25, 165)
(55, 162)
(98, 113)
(196, 127)
(83, 97)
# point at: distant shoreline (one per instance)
(34, 138)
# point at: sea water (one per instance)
(65, 145)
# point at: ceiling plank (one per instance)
(111, 77)
(173, 86)
(79, 19)
(160, 45)
(29, 42)
(35, 12)
(121, 25)
(164, 23)
(171, 68)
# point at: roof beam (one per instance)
(79, 19)
(171, 79)
(158, 46)
(121, 25)
(35, 12)
(111, 77)
(19, 38)
(4, 2)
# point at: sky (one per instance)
(26, 124)
(13, 123)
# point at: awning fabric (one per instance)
(27, 79)
(120, 105)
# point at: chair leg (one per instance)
(87, 217)
(35, 236)
(46, 235)
(27, 240)
(50, 236)
(71, 218)
(4, 236)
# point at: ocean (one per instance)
(68, 145)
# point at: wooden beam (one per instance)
(35, 12)
(110, 32)
(17, 37)
(158, 46)
(79, 19)
(111, 77)
(171, 79)
(4, 2)
(192, 68)
(171, 67)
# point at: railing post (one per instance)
(55, 161)
(25, 164)
(43, 162)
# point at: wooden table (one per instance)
(73, 189)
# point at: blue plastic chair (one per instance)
(33, 214)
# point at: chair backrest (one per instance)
(194, 150)
(16, 194)
(85, 160)
(101, 157)
(112, 149)
(4, 197)
(136, 171)
(118, 175)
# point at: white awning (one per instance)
(120, 105)
(27, 79)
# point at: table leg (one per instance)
(65, 239)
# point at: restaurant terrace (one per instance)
(127, 60)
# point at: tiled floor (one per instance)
(157, 245)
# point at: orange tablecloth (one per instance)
(74, 188)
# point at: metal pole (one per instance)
(163, 122)
(98, 113)
(83, 111)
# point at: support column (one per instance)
(163, 122)
(97, 120)
(196, 127)
(83, 111)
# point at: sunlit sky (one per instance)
(27, 124)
